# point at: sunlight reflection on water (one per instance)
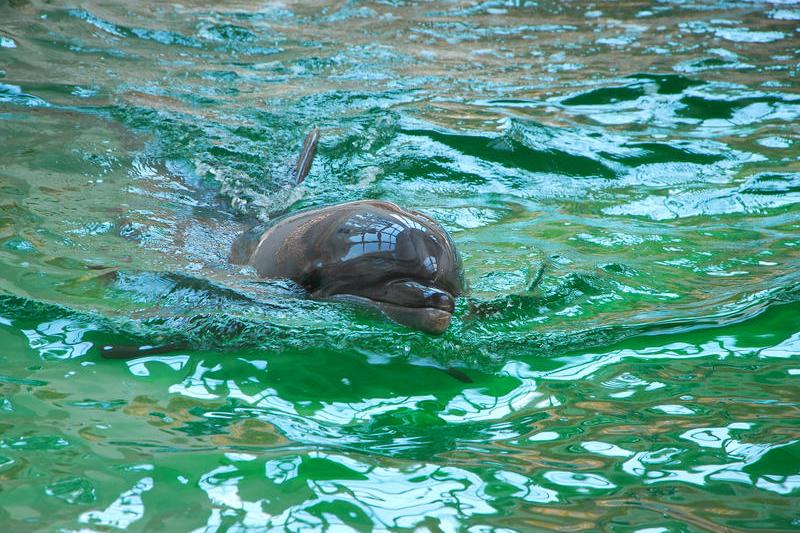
(622, 180)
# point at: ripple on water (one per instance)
(621, 181)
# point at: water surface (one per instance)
(622, 180)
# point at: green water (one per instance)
(622, 180)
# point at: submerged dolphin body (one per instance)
(374, 252)
(399, 261)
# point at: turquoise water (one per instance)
(623, 183)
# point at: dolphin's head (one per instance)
(400, 261)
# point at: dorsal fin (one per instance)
(306, 157)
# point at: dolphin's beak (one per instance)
(409, 303)
(416, 305)
(427, 319)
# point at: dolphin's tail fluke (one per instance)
(303, 164)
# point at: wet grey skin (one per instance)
(399, 261)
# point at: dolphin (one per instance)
(399, 261)
(371, 252)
